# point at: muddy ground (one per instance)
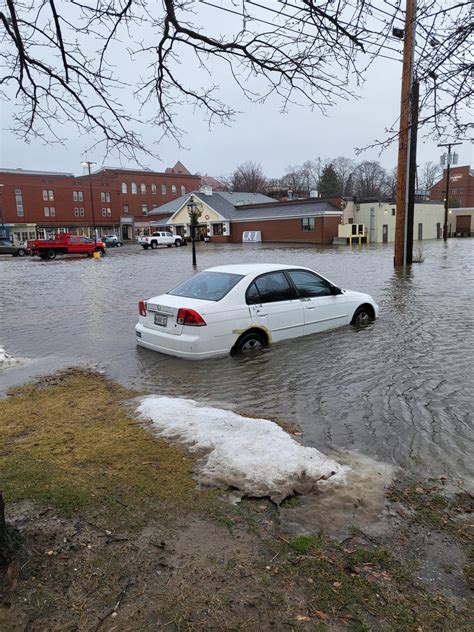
(117, 535)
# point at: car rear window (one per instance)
(209, 286)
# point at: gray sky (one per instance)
(259, 133)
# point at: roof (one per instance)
(179, 168)
(228, 206)
(253, 268)
(241, 197)
(284, 210)
(28, 172)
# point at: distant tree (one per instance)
(296, 180)
(392, 182)
(428, 175)
(329, 183)
(248, 177)
(454, 202)
(371, 180)
(344, 168)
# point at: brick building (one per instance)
(461, 187)
(240, 217)
(38, 203)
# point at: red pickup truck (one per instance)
(65, 244)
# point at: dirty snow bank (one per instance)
(253, 455)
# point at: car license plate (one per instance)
(161, 319)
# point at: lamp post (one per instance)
(88, 164)
(194, 215)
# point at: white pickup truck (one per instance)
(161, 238)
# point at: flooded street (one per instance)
(400, 391)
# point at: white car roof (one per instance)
(253, 268)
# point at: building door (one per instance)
(463, 225)
(420, 232)
(438, 230)
(373, 237)
(385, 233)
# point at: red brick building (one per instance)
(36, 203)
(461, 187)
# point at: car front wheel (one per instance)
(362, 316)
(177, 242)
(21, 252)
(250, 341)
(51, 254)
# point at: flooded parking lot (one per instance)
(400, 390)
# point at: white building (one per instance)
(376, 220)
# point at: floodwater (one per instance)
(400, 390)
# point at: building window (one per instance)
(45, 195)
(124, 187)
(104, 196)
(144, 209)
(393, 212)
(307, 223)
(163, 189)
(74, 196)
(350, 220)
(173, 189)
(109, 212)
(104, 212)
(143, 188)
(153, 189)
(218, 229)
(46, 211)
(52, 211)
(76, 212)
(20, 211)
(134, 188)
(183, 190)
(48, 194)
(81, 212)
(125, 208)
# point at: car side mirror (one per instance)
(336, 290)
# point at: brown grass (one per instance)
(70, 443)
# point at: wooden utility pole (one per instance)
(446, 193)
(410, 216)
(401, 228)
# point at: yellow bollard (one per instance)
(350, 240)
(96, 255)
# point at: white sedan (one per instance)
(235, 308)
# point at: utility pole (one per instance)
(404, 141)
(88, 164)
(410, 217)
(446, 194)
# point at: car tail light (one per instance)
(142, 308)
(190, 318)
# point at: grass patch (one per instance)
(70, 443)
(303, 544)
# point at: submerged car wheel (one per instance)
(363, 316)
(154, 245)
(51, 254)
(21, 252)
(250, 341)
(177, 242)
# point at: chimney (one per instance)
(206, 189)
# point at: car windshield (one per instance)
(209, 286)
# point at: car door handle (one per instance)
(262, 313)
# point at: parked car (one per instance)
(161, 238)
(237, 308)
(112, 241)
(7, 247)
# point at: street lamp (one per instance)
(194, 214)
(88, 164)
(450, 159)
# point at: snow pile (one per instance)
(254, 456)
(7, 360)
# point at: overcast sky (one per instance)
(259, 133)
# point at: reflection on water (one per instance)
(400, 390)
